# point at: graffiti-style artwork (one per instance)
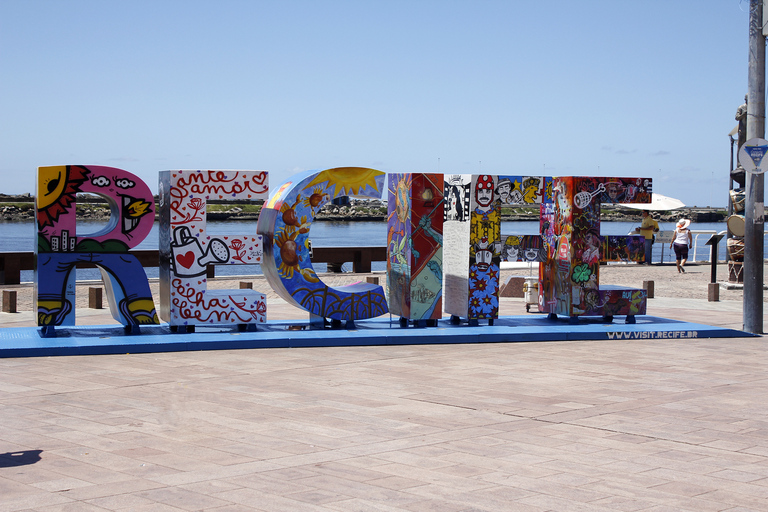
(60, 247)
(623, 248)
(523, 190)
(519, 191)
(569, 278)
(285, 222)
(473, 258)
(186, 249)
(456, 189)
(524, 248)
(456, 192)
(415, 246)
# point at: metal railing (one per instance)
(693, 255)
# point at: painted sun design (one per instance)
(316, 198)
(291, 255)
(57, 187)
(348, 180)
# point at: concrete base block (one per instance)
(648, 286)
(713, 292)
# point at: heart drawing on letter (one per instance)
(186, 260)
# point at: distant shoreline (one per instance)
(21, 209)
(695, 217)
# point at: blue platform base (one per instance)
(93, 340)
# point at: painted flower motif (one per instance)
(581, 273)
(485, 307)
(196, 203)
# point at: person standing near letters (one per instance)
(647, 228)
(681, 243)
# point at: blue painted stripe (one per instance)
(94, 340)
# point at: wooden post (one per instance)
(648, 286)
(713, 292)
(9, 301)
(246, 285)
(10, 268)
(94, 297)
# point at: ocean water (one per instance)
(20, 236)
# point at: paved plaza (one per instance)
(621, 425)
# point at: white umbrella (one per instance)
(658, 202)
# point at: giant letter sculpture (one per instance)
(473, 247)
(285, 222)
(59, 248)
(186, 249)
(569, 279)
(415, 247)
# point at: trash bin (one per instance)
(531, 292)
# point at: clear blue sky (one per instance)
(607, 88)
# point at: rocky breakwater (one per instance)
(15, 213)
(21, 208)
(695, 214)
(356, 210)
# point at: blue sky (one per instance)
(605, 88)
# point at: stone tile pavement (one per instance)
(640, 425)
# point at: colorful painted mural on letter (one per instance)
(285, 223)
(569, 277)
(186, 249)
(415, 246)
(60, 248)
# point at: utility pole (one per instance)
(754, 209)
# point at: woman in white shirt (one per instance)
(681, 243)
